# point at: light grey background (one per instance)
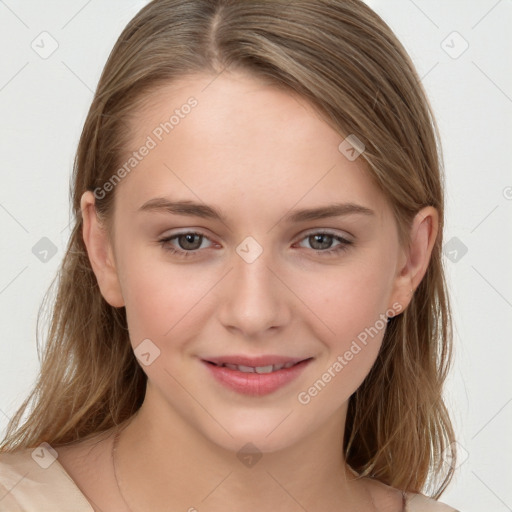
(43, 103)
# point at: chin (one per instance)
(259, 431)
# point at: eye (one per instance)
(185, 244)
(189, 243)
(324, 242)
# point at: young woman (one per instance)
(251, 314)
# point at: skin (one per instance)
(256, 154)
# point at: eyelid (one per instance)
(174, 235)
(313, 231)
(327, 231)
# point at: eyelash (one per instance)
(341, 247)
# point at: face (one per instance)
(244, 236)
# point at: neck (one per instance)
(170, 466)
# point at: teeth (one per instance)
(245, 369)
(264, 369)
(258, 369)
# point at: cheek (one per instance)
(348, 299)
(349, 306)
(163, 300)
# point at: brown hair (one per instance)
(346, 61)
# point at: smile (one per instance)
(257, 369)
(262, 377)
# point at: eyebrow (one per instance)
(190, 208)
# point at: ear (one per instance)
(100, 252)
(416, 256)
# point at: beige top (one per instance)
(26, 486)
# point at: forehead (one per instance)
(243, 142)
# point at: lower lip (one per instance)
(256, 384)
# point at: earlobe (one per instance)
(100, 252)
(422, 237)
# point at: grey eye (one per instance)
(320, 241)
(190, 241)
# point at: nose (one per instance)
(254, 301)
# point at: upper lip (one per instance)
(264, 360)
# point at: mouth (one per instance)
(255, 376)
(255, 369)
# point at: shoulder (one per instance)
(31, 479)
(420, 503)
(391, 499)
